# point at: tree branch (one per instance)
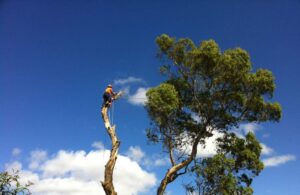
(172, 172)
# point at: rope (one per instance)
(112, 113)
(104, 142)
(104, 150)
(109, 113)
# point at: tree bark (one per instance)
(172, 172)
(107, 184)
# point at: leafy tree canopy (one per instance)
(205, 90)
(231, 171)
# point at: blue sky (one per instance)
(56, 57)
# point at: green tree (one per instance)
(229, 172)
(205, 90)
(10, 184)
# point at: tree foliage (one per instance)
(164, 100)
(231, 171)
(10, 184)
(205, 90)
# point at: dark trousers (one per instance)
(107, 99)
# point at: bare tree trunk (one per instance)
(172, 173)
(107, 184)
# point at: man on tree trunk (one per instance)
(108, 97)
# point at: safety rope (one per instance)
(109, 113)
(112, 113)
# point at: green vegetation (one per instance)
(10, 184)
(208, 90)
(231, 171)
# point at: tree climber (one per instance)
(108, 96)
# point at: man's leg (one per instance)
(109, 100)
(105, 100)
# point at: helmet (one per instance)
(109, 86)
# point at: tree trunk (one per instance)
(172, 172)
(107, 184)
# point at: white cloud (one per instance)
(36, 158)
(80, 172)
(16, 152)
(266, 150)
(128, 80)
(196, 117)
(139, 98)
(60, 186)
(238, 133)
(135, 153)
(249, 127)
(278, 160)
(244, 129)
(210, 147)
(155, 160)
(14, 166)
(207, 149)
(161, 162)
(98, 145)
